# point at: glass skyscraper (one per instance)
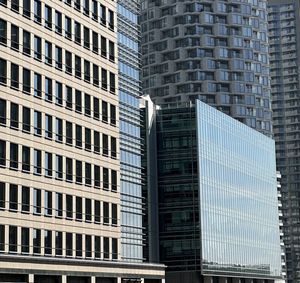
(214, 50)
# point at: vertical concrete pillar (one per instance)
(64, 279)
(119, 280)
(163, 280)
(93, 279)
(30, 278)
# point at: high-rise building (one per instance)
(284, 23)
(60, 196)
(215, 50)
(216, 187)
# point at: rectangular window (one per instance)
(48, 164)
(58, 22)
(2, 153)
(2, 112)
(77, 4)
(26, 119)
(48, 17)
(112, 82)
(111, 51)
(58, 58)
(97, 211)
(96, 108)
(69, 133)
(95, 10)
(105, 212)
(78, 245)
(25, 159)
(96, 142)
(37, 201)
(48, 127)
(78, 67)
(88, 246)
(97, 176)
(58, 243)
(88, 140)
(114, 180)
(14, 156)
(111, 22)
(25, 240)
(3, 32)
(59, 167)
(48, 203)
(78, 172)
(88, 174)
(113, 115)
(87, 104)
(69, 97)
(48, 52)
(14, 71)
(77, 33)
(78, 136)
(86, 38)
(88, 210)
(105, 178)
(26, 43)
(69, 169)
(15, 38)
(37, 11)
(37, 48)
(68, 28)
(58, 94)
(114, 214)
(15, 5)
(69, 206)
(14, 115)
(37, 123)
(95, 75)
(78, 208)
(104, 112)
(106, 248)
(87, 71)
(26, 8)
(37, 85)
(13, 239)
(104, 79)
(13, 197)
(58, 205)
(103, 47)
(48, 242)
(104, 144)
(2, 195)
(68, 60)
(25, 199)
(36, 241)
(26, 81)
(95, 42)
(48, 89)
(97, 247)
(78, 101)
(114, 248)
(37, 162)
(86, 7)
(59, 130)
(103, 14)
(3, 71)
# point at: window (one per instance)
(68, 62)
(2, 236)
(69, 169)
(97, 211)
(2, 153)
(112, 82)
(112, 114)
(88, 174)
(48, 17)
(97, 247)
(48, 242)
(114, 248)
(2, 112)
(37, 85)
(25, 240)
(25, 199)
(104, 112)
(58, 57)
(2, 196)
(114, 180)
(103, 47)
(26, 8)
(77, 4)
(26, 81)
(106, 248)
(14, 71)
(3, 71)
(25, 159)
(88, 246)
(88, 140)
(78, 171)
(15, 5)
(95, 10)
(86, 7)
(58, 243)
(3, 32)
(78, 101)
(104, 144)
(87, 104)
(104, 78)
(13, 197)
(97, 176)
(103, 14)
(105, 212)
(26, 119)
(96, 142)
(14, 37)
(77, 33)
(78, 208)
(69, 97)
(69, 133)
(58, 94)
(37, 11)
(88, 210)
(14, 115)
(37, 123)
(59, 130)
(105, 178)
(78, 245)
(78, 136)
(113, 146)
(86, 38)
(48, 52)
(78, 67)
(48, 89)
(69, 206)
(96, 108)
(68, 28)
(48, 126)
(13, 239)
(37, 201)
(58, 205)
(95, 75)
(37, 162)
(14, 156)
(114, 214)
(95, 42)
(59, 167)
(48, 203)
(36, 241)
(37, 48)
(111, 51)
(58, 22)
(48, 164)
(87, 71)
(26, 43)
(111, 19)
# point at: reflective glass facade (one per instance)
(130, 141)
(238, 197)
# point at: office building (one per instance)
(215, 50)
(216, 188)
(60, 196)
(284, 21)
